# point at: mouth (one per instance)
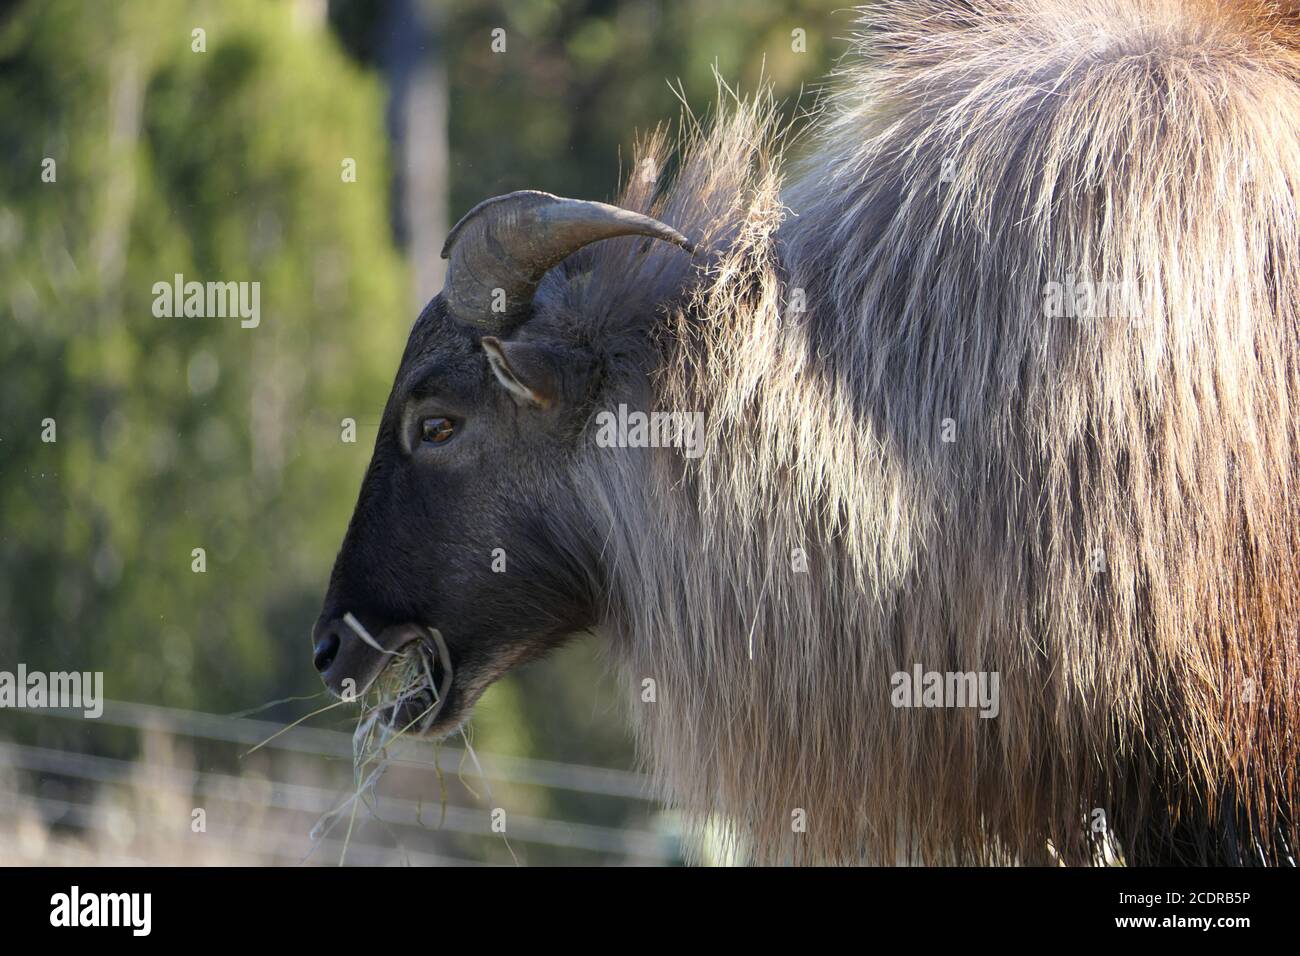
(415, 687)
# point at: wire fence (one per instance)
(431, 808)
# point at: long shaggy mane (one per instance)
(1102, 510)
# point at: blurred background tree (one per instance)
(174, 433)
(226, 164)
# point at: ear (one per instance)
(525, 370)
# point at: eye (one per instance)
(436, 431)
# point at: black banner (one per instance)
(397, 905)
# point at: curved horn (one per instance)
(509, 243)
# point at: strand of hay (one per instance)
(289, 727)
(240, 714)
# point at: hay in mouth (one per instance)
(411, 691)
(408, 694)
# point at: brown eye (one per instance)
(436, 431)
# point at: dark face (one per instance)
(467, 520)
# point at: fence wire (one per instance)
(267, 813)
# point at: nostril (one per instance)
(326, 650)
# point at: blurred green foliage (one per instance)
(183, 433)
(175, 433)
(580, 78)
